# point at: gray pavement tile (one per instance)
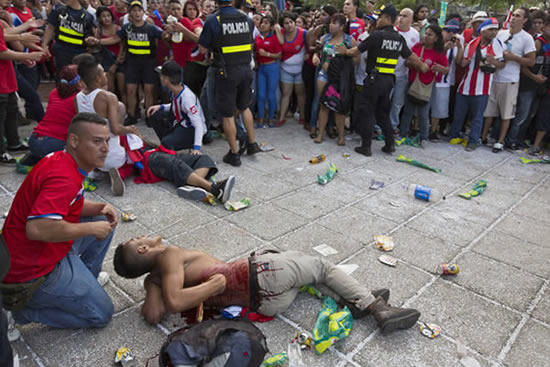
(542, 193)
(498, 281)
(514, 168)
(393, 168)
(265, 162)
(495, 197)
(220, 239)
(542, 310)
(482, 325)
(278, 334)
(470, 210)
(341, 188)
(478, 158)
(423, 251)
(362, 177)
(506, 184)
(120, 301)
(303, 204)
(531, 346)
(529, 257)
(537, 210)
(465, 172)
(267, 221)
(10, 179)
(97, 347)
(300, 174)
(313, 235)
(525, 228)
(442, 183)
(266, 187)
(357, 224)
(397, 209)
(408, 348)
(447, 226)
(26, 359)
(403, 281)
(133, 287)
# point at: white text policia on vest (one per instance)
(235, 28)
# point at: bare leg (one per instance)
(340, 121)
(538, 138)
(322, 122)
(504, 126)
(230, 132)
(248, 121)
(153, 308)
(435, 125)
(197, 178)
(285, 100)
(149, 90)
(111, 82)
(486, 127)
(121, 84)
(301, 96)
(132, 99)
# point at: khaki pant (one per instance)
(280, 276)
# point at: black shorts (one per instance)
(177, 168)
(141, 72)
(233, 90)
(542, 121)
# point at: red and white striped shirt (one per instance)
(476, 82)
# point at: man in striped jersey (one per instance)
(483, 56)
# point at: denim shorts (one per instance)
(322, 76)
(291, 78)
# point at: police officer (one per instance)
(228, 34)
(384, 47)
(70, 24)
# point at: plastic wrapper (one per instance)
(384, 242)
(328, 176)
(331, 325)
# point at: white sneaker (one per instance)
(191, 192)
(16, 360)
(13, 332)
(103, 278)
(117, 185)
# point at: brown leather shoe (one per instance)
(392, 318)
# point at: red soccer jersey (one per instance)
(53, 189)
(270, 44)
(116, 15)
(8, 83)
(182, 50)
(57, 119)
(196, 54)
(430, 57)
(475, 81)
(295, 46)
(356, 27)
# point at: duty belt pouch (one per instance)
(420, 93)
(17, 296)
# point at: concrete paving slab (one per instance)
(497, 281)
(537, 210)
(26, 359)
(390, 207)
(483, 325)
(541, 193)
(525, 228)
(531, 346)
(471, 210)
(542, 310)
(527, 256)
(303, 204)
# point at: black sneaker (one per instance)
(511, 147)
(232, 158)
(130, 120)
(389, 149)
(242, 145)
(434, 137)
(19, 148)
(252, 148)
(207, 139)
(191, 192)
(222, 190)
(364, 150)
(470, 147)
(6, 158)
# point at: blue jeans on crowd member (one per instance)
(268, 82)
(524, 106)
(398, 98)
(71, 297)
(208, 98)
(423, 113)
(476, 105)
(41, 146)
(6, 353)
(33, 105)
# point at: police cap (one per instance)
(387, 9)
(136, 2)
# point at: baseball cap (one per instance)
(387, 9)
(452, 25)
(169, 68)
(480, 15)
(490, 23)
(371, 17)
(136, 2)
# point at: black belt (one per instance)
(253, 284)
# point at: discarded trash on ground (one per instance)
(304, 340)
(276, 360)
(425, 193)
(232, 312)
(402, 158)
(295, 355)
(22, 168)
(310, 289)
(384, 242)
(388, 260)
(449, 269)
(430, 330)
(331, 325)
(325, 250)
(328, 176)
(395, 204)
(234, 206)
(318, 159)
(346, 155)
(375, 185)
(545, 159)
(478, 189)
(89, 185)
(264, 147)
(127, 217)
(285, 157)
(125, 357)
(210, 199)
(414, 142)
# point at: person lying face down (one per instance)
(180, 279)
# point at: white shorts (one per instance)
(502, 101)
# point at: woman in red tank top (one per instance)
(107, 29)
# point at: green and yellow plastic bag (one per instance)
(332, 325)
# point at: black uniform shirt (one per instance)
(384, 43)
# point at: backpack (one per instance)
(225, 343)
(337, 93)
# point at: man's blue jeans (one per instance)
(475, 104)
(41, 146)
(398, 99)
(423, 113)
(524, 104)
(71, 297)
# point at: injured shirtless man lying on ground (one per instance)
(180, 279)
